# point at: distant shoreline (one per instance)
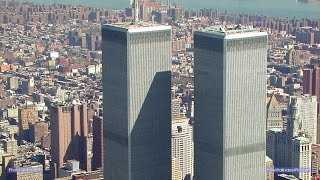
(272, 8)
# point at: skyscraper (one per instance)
(311, 81)
(97, 130)
(278, 147)
(182, 145)
(275, 118)
(61, 134)
(230, 103)
(176, 170)
(311, 86)
(137, 96)
(69, 134)
(289, 151)
(301, 158)
(302, 117)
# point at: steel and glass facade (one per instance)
(230, 105)
(137, 102)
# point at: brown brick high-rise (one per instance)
(61, 150)
(69, 127)
(311, 81)
(311, 85)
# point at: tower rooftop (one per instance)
(275, 130)
(231, 29)
(234, 31)
(137, 27)
(302, 140)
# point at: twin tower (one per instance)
(230, 102)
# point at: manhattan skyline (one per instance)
(73, 109)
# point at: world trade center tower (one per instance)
(136, 101)
(230, 103)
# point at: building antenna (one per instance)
(136, 6)
(221, 28)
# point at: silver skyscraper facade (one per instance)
(137, 101)
(230, 104)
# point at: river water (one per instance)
(280, 8)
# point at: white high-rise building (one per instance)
(301, 158)
(302, 117)
(176, 170)
(230, 104)
(182, 145)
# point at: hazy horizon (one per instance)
(282, 8)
